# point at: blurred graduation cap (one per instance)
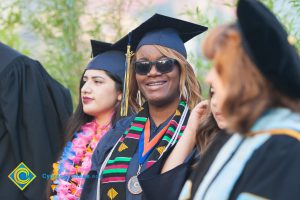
(157, 30)
(269, 46)
(162, 30)
(106, 57)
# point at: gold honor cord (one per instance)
(125, 99)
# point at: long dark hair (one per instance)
(208, 129)
(79, 118)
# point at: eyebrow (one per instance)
(94, 77)
(146, 59)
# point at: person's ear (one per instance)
(119, 97)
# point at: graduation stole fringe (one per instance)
(113, 183)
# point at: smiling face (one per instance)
(98, 93)
(157, 88)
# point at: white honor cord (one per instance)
(177, 131)
(102, 168)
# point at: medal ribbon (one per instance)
(145, 144)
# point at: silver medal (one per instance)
(134, 185)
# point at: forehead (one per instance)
(148, 52)
(94, 72)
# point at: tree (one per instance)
(62, 30)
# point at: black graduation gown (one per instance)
(33, 110)
(206, 160)
(273, 172)
(167, 186)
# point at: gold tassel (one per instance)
(125, 99)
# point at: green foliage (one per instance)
(289, 17)
(296, 5)
(56, 23)
(60, 32)
(10, 21)
(201, 65)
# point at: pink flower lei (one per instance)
(70, 172)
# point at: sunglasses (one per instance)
(162, 66)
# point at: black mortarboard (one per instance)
(108, 58)
(162, 30)
(266, 42)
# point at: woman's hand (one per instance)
(196, 117)
(188, 140)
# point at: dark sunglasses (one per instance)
(162, 66)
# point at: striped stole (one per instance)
(113, 182)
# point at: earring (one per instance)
(139, 98)
(185, 94)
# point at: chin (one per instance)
(90, 112)
(221, 125)
(159, 102)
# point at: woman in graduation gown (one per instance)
(256, 71)
(33, 110)
(199, 144)
(164, 81)
(101, 88)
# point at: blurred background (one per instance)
(57, 32)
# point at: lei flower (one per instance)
(69, 172)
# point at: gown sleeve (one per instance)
(166, 186)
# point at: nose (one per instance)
(213, 101)
(209, 78)
(153, 71)
(86, 88)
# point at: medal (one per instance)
(145, 147)
(134, 185)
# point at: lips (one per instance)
(86, 100)
(155, 83)
(219, 115)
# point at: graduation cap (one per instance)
(157, 30)
(162, 30)
(107, 57)
(267, 44)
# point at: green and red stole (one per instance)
(113, 182)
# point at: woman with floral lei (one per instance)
(161, 78)
(98, 109)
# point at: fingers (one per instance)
(198, 113)
(202, 106)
